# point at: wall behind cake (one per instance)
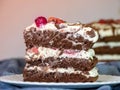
(15, 15)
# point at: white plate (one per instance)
(102, 80)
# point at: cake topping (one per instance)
(118, 21)
(55, 24)
(56, 20)
(108, 21)
(101, 21)
(40, 21)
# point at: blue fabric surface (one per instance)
(15, 66)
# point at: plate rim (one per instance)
(54, 84)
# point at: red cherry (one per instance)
(107, 21)
(102, 21)
(35, 50)
(110, 21)
(118, 21)
(39, 21)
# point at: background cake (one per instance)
(108, 46)
(57, 51)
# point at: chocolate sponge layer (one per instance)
(110, 39)
(49, 38)
(107, 50)
(77, 64)
(35, 76)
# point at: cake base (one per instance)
(56, 77)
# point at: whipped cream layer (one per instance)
(43, 52)
(69, 70)
(117, 28)
(110, 44)
(106, 30)
(108, 57)
(76, 30)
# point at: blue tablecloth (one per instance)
(16, 65)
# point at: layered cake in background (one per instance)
(57, 51)
(108, 46)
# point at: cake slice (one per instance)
(108, 46)
(57, 51)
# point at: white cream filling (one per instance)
(108, 57)
(28, 28)
(83, 32)
(105, 33)
(117, 31)
(49, 52)
(101, 26)
(43, 53)
(48, 26)
(69, 70)
(79, 54)
(110, 44)
(105, 30)
(71, 28)
(77, 30)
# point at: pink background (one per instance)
(15, 15)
